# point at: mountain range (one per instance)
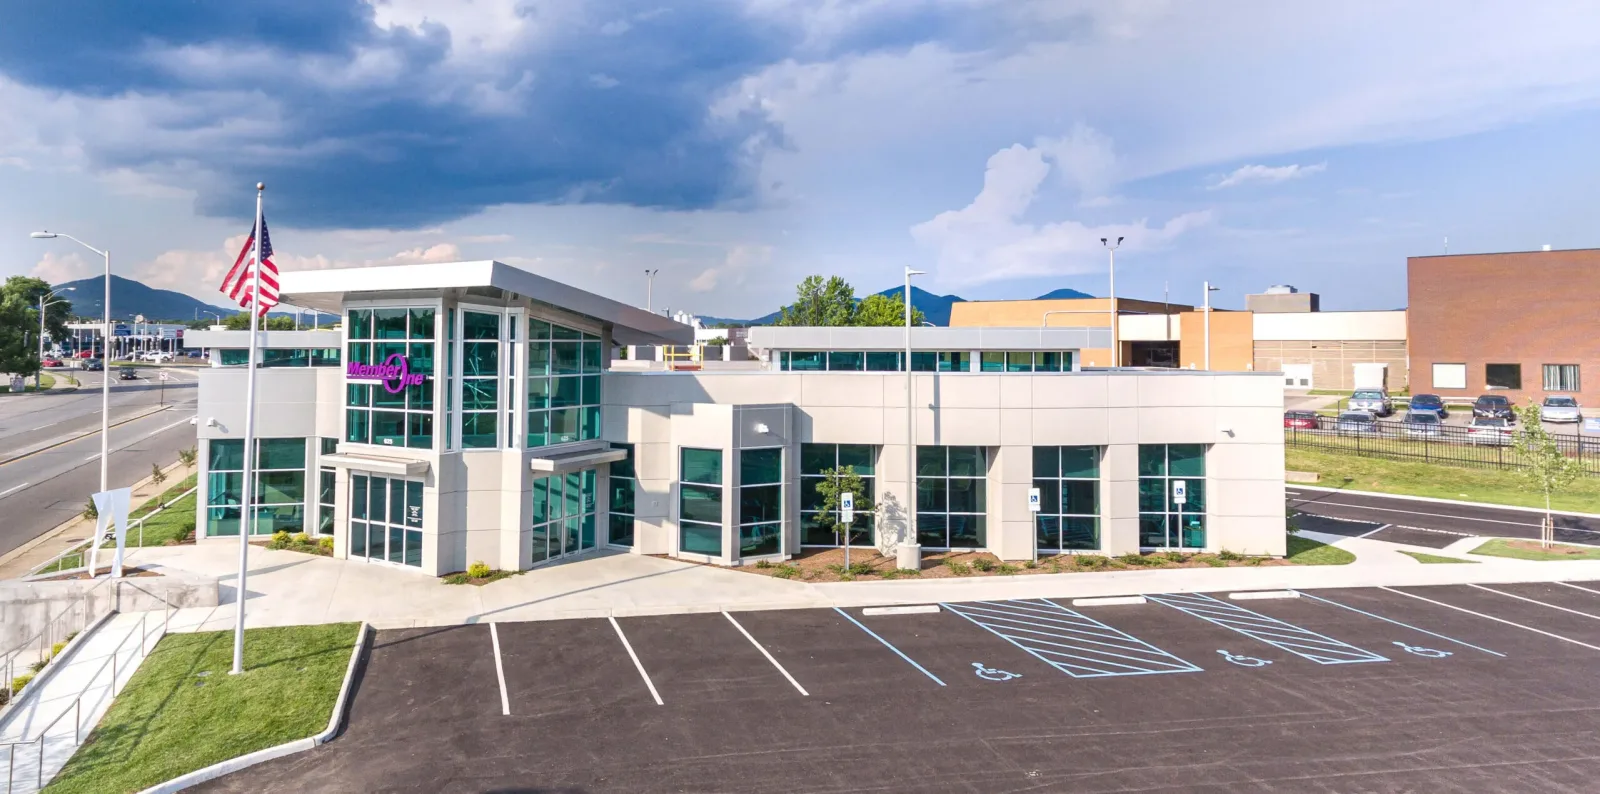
(130, 298)
(936, 308)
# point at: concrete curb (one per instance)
(1433, 500)
(37, 684)
(63, 527)
(287, 748)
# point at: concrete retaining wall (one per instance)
(25, 607)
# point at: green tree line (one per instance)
(833, 301)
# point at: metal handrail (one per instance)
(83, 545)
(77, 702)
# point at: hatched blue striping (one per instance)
(1070, 641)
(1301, 642)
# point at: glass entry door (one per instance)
(386, 519)
(563, 515)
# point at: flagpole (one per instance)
(246, 511)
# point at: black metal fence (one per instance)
(1446, 444)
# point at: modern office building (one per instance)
(1519, 324)
(471, 411)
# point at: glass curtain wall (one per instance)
(480, 380)
(327, 480)
(623, 485)
(386, 519)
(815, 459)
(700, 501)
(373, 413)
(760, 501)
(1068, 479)
(563, 515)
(1163, 522)
(280, 486)
(563, 384)
(951, 497)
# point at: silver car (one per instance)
(1560, 408)
(1486, 430)
(1356, 423)
(1374, 400)
(1423, 424)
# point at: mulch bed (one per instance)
(827, 565)
(128, 572)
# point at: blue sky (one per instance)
(739, 146)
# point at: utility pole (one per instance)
(1111, 302)
(650, 288)
(1209, 289)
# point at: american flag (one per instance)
(239, 284)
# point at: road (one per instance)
(1399, 520)
(56, 434)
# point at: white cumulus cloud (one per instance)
(1267, 174)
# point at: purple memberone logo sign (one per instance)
(395, 373)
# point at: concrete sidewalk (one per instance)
(288, 588)
(48, 721)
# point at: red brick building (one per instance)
(1519, 324)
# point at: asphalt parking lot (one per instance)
(1456, 689)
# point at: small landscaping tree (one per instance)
(157, 476)
(1545, 468)
(836, 481)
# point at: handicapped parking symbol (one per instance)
(1428, 653)
(1245, 661)
(992, 674)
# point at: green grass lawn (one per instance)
(182, 711)
(1305, 551)
(46, 381)
(1495, 486)
(1529, 550)
(1433, 559)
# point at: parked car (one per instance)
(1375, 401)
(1560, 408)
(1423, 424)
(1429, 402)
(1493, 406)
(51, 361)
(1300, 420)
(127, 373)
(1489, 430)
(1356, 423)
(195, 354)
(85, 354)
(93, 365)
(156, 356)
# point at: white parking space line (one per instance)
(12, 490)
(636, 663)
(1533, 601)
(918, 609)
(1317, 502)
(1579, 587)
(1493, 618)
(1375, 531)
(500, 671)
(763, 651)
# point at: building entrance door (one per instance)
(386, 519)
(563, 516)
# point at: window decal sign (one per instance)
(394, 373)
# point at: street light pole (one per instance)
(1209, 289)
(1111, 248)
(105, 375)
(911, 431)
(38, 378)
(650, 288)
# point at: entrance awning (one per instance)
(575, 460)
(400, 467)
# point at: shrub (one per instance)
(1216, 563)
(71, 635)
(20, 681)
(957, 567)
(1253, 560)
(55, 650)
(763, 564)
(39, 665)
(861, 569)
(1229, 555)
(1090, 561)
(280, 540)
(1007, 569)
(326, 544)
(302, 539)
(983, 564)
(479, 570)
(1030, 564)
(1138, 560)
(785, 571)
(90, 511)
(1175, 556)
(457, 578)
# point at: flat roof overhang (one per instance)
(378, 464)
(562, 462)
(328, 290)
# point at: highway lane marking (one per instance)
(1433, 515)
(1491, 617)
(12, 490)
(87, 434)
(764, 652)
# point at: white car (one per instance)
(156, 356)
(1560, 408)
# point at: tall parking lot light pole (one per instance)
(105, 374)
(911, 431)
(1111, 248)
(44, 303)
(1209, 289)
